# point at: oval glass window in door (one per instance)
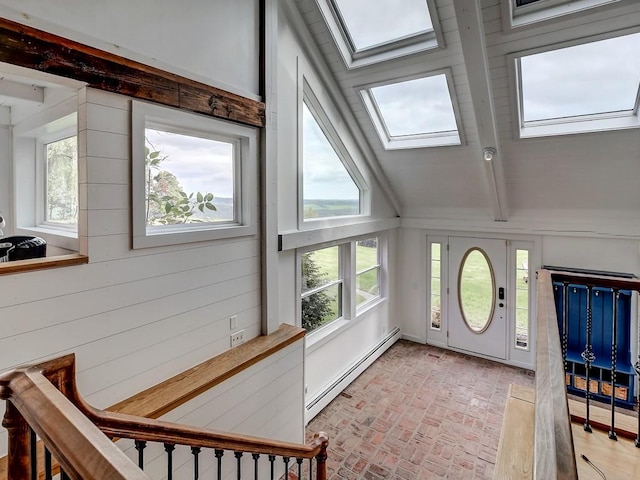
(476, 290)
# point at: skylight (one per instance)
(585, 82)
(413, 113)
(366, 33)
(389, 21)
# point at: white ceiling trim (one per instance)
(472, 38)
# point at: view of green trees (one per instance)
(166, 202)
(62, 181)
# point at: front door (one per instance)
(477, 296)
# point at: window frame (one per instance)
(515, 16)
(42, 177)
(377, 267)
(322, 119)
(146, 115)
(590, 123)
(383, 52)
(421, 140)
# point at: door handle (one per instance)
(501, 293)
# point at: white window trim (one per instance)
(378, 267)
(156, 116)
(547, 10)
(316, 109)
(59, 121)
(599, 122)
(425, 140)
(384, 52)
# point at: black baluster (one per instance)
(219, 454)
(33, 454)
(48, 467)
(636, 367)
(299, 462)
(169, 448)
(565, 323)
(615, 295)
(286, 467)
(255, 457)
(238, 456)
(140, 446)
(311, 469)
(589, 357)
(195, 451)
(63, 475)
(272, 460)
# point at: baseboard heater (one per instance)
(395, 332)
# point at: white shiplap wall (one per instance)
(136, 317)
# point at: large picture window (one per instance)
(193, 177)
(328, 186)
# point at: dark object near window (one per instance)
(22, 248)
(520, 3)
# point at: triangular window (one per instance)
(328, 185)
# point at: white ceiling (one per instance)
(595, 171)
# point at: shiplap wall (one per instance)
(136, 317)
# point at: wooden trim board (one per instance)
(19, 266)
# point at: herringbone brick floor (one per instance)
(419, 412)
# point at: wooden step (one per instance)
(515, 450)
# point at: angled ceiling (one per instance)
(478, 51)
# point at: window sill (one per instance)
(66, 239)
(20, 266)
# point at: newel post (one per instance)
(18, 455)
(321, 458)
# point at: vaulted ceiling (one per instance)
(579, 172)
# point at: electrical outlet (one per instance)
(237, 338)
(233, 322)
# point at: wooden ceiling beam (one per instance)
(31, 48)
(472, 37)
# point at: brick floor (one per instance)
(418, 413)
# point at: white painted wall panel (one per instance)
(135, 318)
(184, 38)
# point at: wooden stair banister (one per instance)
(45, 397)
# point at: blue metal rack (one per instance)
(601, 341)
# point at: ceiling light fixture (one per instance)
(488, 153)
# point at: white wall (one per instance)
(216, 42)
(263, 400)
(133, 317)
(5, 176)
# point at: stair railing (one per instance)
(43, 403)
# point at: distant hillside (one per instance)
(322, 208)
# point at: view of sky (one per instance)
(388, 21)
(200, 164)
(324, 177)
(416, 106)
(596, 77)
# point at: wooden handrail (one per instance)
(596, 280)
(82, 450)
(554, 456)
(46, 397)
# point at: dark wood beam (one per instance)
(31, 48)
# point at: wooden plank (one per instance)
(31, 48)
(515, 450)
(600, 418)
(617, 460)
(165, 396)
(20, 266)
(554, 455)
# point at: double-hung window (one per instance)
(60, 182)
(340, 281)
